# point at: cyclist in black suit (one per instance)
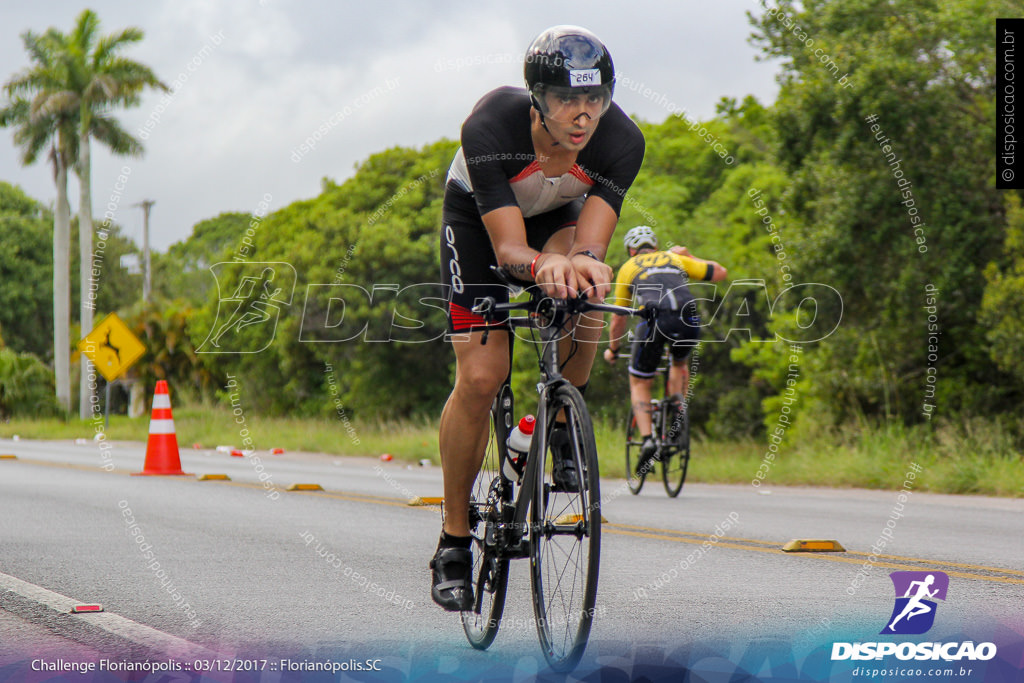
(535, 188)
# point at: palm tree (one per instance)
(83, 78)
(101, 80)
(41, 122)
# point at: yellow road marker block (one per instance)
(802, 545)
(574, 519)
(426, 500)
(305, 487)
(214, 477)
(8, 456)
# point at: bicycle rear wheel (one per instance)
(566, 539)
(675, 464)
(633, 446)
(490, 492)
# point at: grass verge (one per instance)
(974, 457)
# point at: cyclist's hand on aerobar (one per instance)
(556, 276)
(562, 277)
(594, 277)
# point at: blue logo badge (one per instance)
(914, 612)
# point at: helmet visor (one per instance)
(566, 104)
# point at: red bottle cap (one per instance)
(527, 423)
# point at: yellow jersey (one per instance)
(651, 276)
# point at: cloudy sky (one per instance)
(256, 78)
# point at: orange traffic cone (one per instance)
(162, 449)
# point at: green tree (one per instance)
(163, 328)
(694, 197)
(1002, 308)
(26, 269)
(26, 386)
(884, 206)
(35, 109)
(183, 272)
(376, 237)
(120, 289)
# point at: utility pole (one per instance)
(146, 205)
(137, 389)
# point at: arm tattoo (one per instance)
(517, 271)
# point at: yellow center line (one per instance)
(937, 565)
(358, 498)
(340, 495)
(945, 563)
(861, 553)
(693, 533)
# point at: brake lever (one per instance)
(483, 306)
(484, 309)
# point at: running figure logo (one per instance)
(257, 293)
(914, 611)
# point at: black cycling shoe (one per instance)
(563, 466)
(648, 455)
(452, 579)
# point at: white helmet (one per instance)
(639, 236)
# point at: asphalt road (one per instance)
(239, 572)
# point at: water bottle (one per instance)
(518, 446)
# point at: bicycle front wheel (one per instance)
(674, 466)
(490, 493)
(566, 538)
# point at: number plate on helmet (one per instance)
(581, 78)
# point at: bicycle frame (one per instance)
(548, 316)
(671, 437)
(560, 514)
(660, 405)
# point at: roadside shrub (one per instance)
(26, 386)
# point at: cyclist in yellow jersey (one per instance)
(659, 278)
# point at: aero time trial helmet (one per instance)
(640, 236)
(569, 72)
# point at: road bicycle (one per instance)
(670, 428)
(560, 531)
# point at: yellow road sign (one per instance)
(112, 347)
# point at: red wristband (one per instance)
(533, 264)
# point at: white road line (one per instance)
(108, 621)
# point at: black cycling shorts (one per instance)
(680, 329)
(467, 255)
